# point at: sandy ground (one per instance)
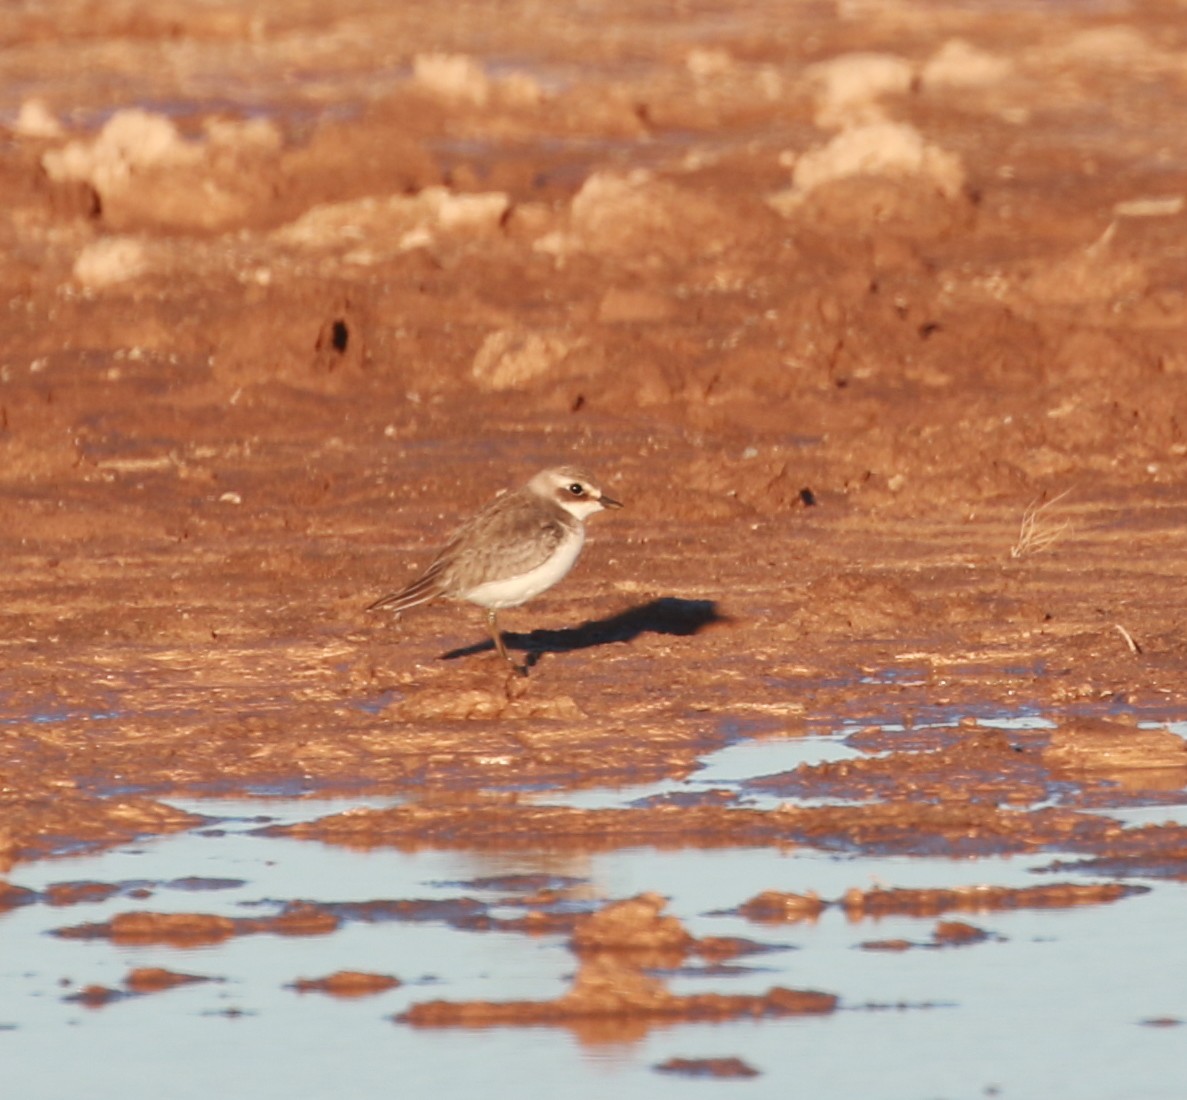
(871, 313)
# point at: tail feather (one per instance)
(419, 591)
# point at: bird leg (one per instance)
(492, 622)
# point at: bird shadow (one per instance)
(667, 615)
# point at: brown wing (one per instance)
(513, 535)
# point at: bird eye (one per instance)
(577, 489)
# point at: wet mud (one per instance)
(960, 829)
(196, 929)
(946, 934)
(872, 314)
(620, 948)
(347, 983)
(857, 905)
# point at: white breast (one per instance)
(513, 591)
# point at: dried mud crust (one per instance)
(834, 304)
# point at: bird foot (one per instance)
(518, 669)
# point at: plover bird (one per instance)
(518, 546)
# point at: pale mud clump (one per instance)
(959, 64)
(848, 90)
(640, 219)
(145, 173)
(457, 78)
(901, 176)
(383, 226)
(111, 260)
(510, 359)
(852, 95)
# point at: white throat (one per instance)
(579, 509)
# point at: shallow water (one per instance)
(723, 772)
(1052, 1004)
(727, 771)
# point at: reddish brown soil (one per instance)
(368, 264)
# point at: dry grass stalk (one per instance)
(1037, 531)
(1129, 639)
